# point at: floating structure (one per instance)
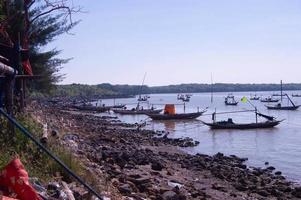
(296, 95)
(279, 106)
(254, 97)
(229, 124)
(170, 114)
(230, 100)
(269, 100)
(184, 97)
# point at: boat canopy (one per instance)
(170, 109)
(271, 118)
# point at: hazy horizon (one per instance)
(178, 41)
(177, 84)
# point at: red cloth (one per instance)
(15, 178)
(26, 64)
(27, 67)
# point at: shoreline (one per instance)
(144, 164)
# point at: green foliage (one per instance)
(108, 90)
(37, 163)
(45, 63)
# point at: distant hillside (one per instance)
(108, 90)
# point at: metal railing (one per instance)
(49, 153)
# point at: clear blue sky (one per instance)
(184, 41)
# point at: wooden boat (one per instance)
(230, 101)
(278, 95)
(232, 125)
(170, 114)
(296, 95)
(280, 107)
(229, 124)
(137, 111)
(184, 98)
(269, 100)
(254, 98)
(178, 116)
(91, 108)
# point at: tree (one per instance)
(34, 24)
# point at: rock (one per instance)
(169, 195)
(157, 166)
(278, 173)
(297, 192)
(125, 189)
(263, 193)
(271, 168)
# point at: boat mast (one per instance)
(140, 92)
(281, 89)
(211, 89)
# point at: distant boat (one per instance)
(254, 98)
(279, 106)
(143, 98)
(278, 95)
(140, 97)
(269, 100)
(229, 124)
(91, 108)
(169, 114)
(230, 101)
(184, 97)
(137, 111)
(296, 95)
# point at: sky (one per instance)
(183, 41)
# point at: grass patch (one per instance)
(37, 163)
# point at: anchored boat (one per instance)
(279, 106)
(229, 124)
(230, 101)
(269, 100)
(170, 114)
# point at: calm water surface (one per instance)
(280, 146)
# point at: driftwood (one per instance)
(45, 134)
(67, 191)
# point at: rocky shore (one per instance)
(133, 163)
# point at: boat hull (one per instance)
(182, 116)
(268, 124)
(282, 107)
(137, 112)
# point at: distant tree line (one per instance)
(109, 90)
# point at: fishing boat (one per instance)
(139, 110)
(278, 95)
(230, 101)
(229, 124)
(279, 106)
(184, 97)
(254, 98)
(143, 98)
(140, 97)
(135, 111)
(170, 114)
(269, 100)
(89, 107)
